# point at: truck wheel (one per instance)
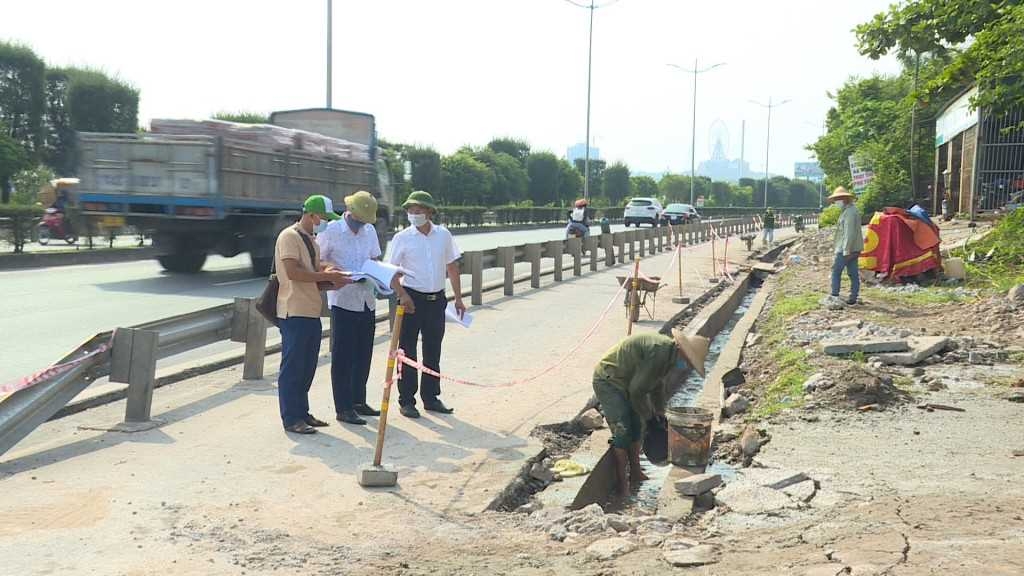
(183, 262)
(261, 266)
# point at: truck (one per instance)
(224, 190)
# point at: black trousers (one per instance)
(428, 320)
(351, 356)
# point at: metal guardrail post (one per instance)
(133, 361)
(249, 326)
(631, 237)
(507, 260)
(574, 246)
(608, 245)
(476, 272)
(620, 246)
(533, 254)
(591, 242)
(555, 249)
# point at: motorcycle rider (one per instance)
(579, 225)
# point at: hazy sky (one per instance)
(453, 72)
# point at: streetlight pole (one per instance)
(767, 141)
(693, 131)
(330, 51)
(590, 59)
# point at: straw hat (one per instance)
(840, 194)
(693, 348)
(363, 206)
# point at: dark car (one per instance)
(680, 214)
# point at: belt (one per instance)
(428, 296)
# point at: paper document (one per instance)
(380, 273)
(452, 315)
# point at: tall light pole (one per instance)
(821, 180)
(330, 51)
(590, 58)
(693, 133)
(767, 141)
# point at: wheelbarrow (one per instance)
(648, 287)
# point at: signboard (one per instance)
(861, 174)
(956, 118)
(699, 202)
(808, 171)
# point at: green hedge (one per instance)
(16, 222)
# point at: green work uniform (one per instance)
(629, 384)
(769, 220)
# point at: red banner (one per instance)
(899, 245)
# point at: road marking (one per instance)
(233, 282)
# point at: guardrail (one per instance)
(133, 352)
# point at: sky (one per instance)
(449, 73)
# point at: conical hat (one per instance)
(839, 194)
(693, 348)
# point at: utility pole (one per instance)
(743, 144)
(767, 141)
(693, 132)
(330, 51)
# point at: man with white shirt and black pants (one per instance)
(348, 243)
(428, 255)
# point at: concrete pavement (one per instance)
(222, 470)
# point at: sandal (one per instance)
(300, 428)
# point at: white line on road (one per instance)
(233, 282)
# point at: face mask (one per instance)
(320, 228)
(416, 220)
(354, 224)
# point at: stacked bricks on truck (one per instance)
(212, 187)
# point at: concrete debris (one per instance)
(558, 533)
(750, 441)
(774, 478)
(698, 484)
(696, 556)
(618, 523)
(530, 507)
(610, 548)
(655, 525)
(541, 472)
(735, 404)
(920, 349)
(733, 378)
(848, 324)
(803, 491)
(679, 544)
(918, 371)
(753, 339)
(591, 420)
(817, 382)
(841, 348)
(1016, 294)
(746, 497)
(652, 540)
(832, 303)
(828, 570)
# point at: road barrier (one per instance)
(130, 355)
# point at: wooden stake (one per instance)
(396, 333)
(633, 298)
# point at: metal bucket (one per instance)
(689, 436)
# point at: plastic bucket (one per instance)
(689, 436)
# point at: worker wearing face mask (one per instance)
(299, 270)
(429, 256)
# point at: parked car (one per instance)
(680, 214)
(641, 211)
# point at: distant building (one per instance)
(579, 151)
(722, 169)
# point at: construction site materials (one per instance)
(689, 435)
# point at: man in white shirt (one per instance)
(429, 256)
(348, 243)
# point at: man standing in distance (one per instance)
(848, 242)
(348, 243)
(297, 261)
(428, 254)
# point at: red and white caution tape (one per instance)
(43, 375)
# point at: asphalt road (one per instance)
(47, 312)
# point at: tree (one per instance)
(544, 171)
(22, 97)
(465, 180)
(511, 182)
(518, 149)
(644, 186)
(426, 168)
(674, 188)
(13, 158)
(596, 171)
(616, 185)
(243, 117)
(939, 27)
(570, 183)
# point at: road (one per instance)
(47, 312)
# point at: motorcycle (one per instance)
(55, 225)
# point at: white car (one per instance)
(642, 210)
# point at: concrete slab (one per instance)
(580, 491)
(698, 484)
(845, 348)
(921, 348)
